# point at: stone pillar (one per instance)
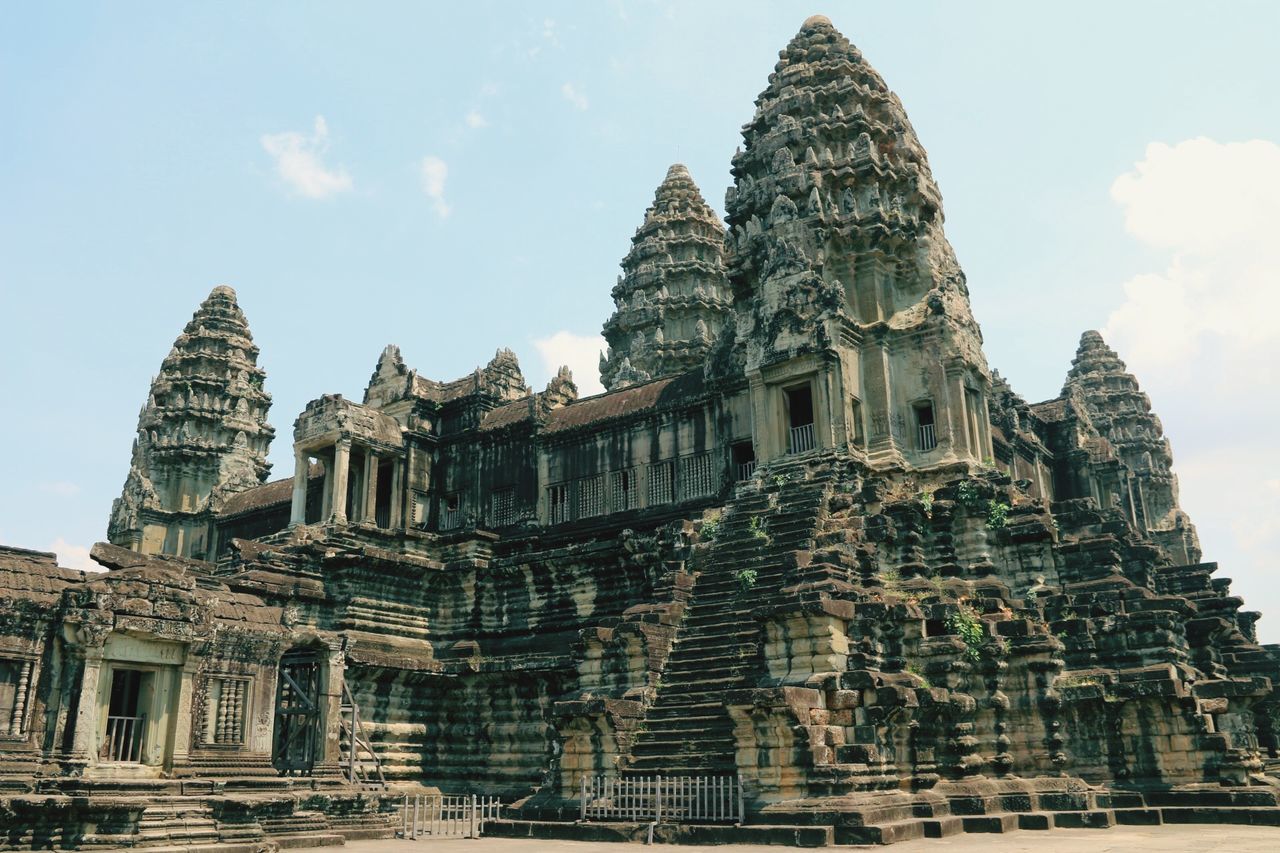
(338, 482)
(84, 735)
(301, 470)
(329, 760)
(184, 713)
(369, 512)
(397, 486)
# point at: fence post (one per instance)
(474, 823)
(742, 812)
(582, 810)
(657, 800)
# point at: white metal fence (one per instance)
(669, 799)
(446, 816)
(124, 739)
(803, 439)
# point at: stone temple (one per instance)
(808, 539)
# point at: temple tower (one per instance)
(672, 298)
(1121, 413)
(852, 315)
(202, 435)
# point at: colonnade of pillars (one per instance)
(337, 476)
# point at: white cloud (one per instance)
(60, 489)
(1201, 336)
(299, 161)
(74, 556)
(580, 352)
(489, 90)
(434, 171)
(573, 96)
(475, 120)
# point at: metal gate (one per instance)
(446, 816)
(662, 799)
(297, 714)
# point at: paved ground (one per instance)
(1121, 839)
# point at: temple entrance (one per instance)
(297, 731)
(801, 438)
(126, 724)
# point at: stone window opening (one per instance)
(590, 497)
(451, 512)
(125, 736)
(558, 503)
(15, 682)
(626, 491)
(661, 484)
(418, 509)
(697, 476)
(503, 506)
(926, 428)
(225, 710)
(801, 437)
(382, 494)
(742, 455)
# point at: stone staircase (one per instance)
(177, 820)
(688, 730)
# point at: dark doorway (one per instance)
(382, 503)
(743, 455)
(297, 714)
(801, 437)
(126, 727)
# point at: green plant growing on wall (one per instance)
(757, 530)
(710, 529)
(926, 500)
(965, 623)
(997, 514)
(747, 579)
(914, 669)
(967, 493)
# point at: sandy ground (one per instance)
(1122, 839)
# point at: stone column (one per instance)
(18, 717)
(397, 486)
(84, 735)
(301, 470)
(329, 758)
(369, 512)
(341, 464)
(184, 713)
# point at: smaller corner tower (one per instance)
(202, 435)
(672, 298)
(1121, 413)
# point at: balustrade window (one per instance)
(15, 682)
(625, 493)
(661, 482)
(590, 497)
(558, 503)
(926, 437)
(504, 507)
(697, 476)
(225, 710)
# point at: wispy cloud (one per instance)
(580, 352)
(300, 164)
(74, 556)
(475, 120)
(434, 171)
(575, 97)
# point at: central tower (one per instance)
(852, 317)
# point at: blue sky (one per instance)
(455, 178)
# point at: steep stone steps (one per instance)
(688, 728)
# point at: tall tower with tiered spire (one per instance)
(672, 298)
(202, 435)
(1121, 412)
(848, 298)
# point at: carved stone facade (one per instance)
(822, 548)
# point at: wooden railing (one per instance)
(124, 739)
(662, 799)
(446, 816)
(746, 470)
(802, 439)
